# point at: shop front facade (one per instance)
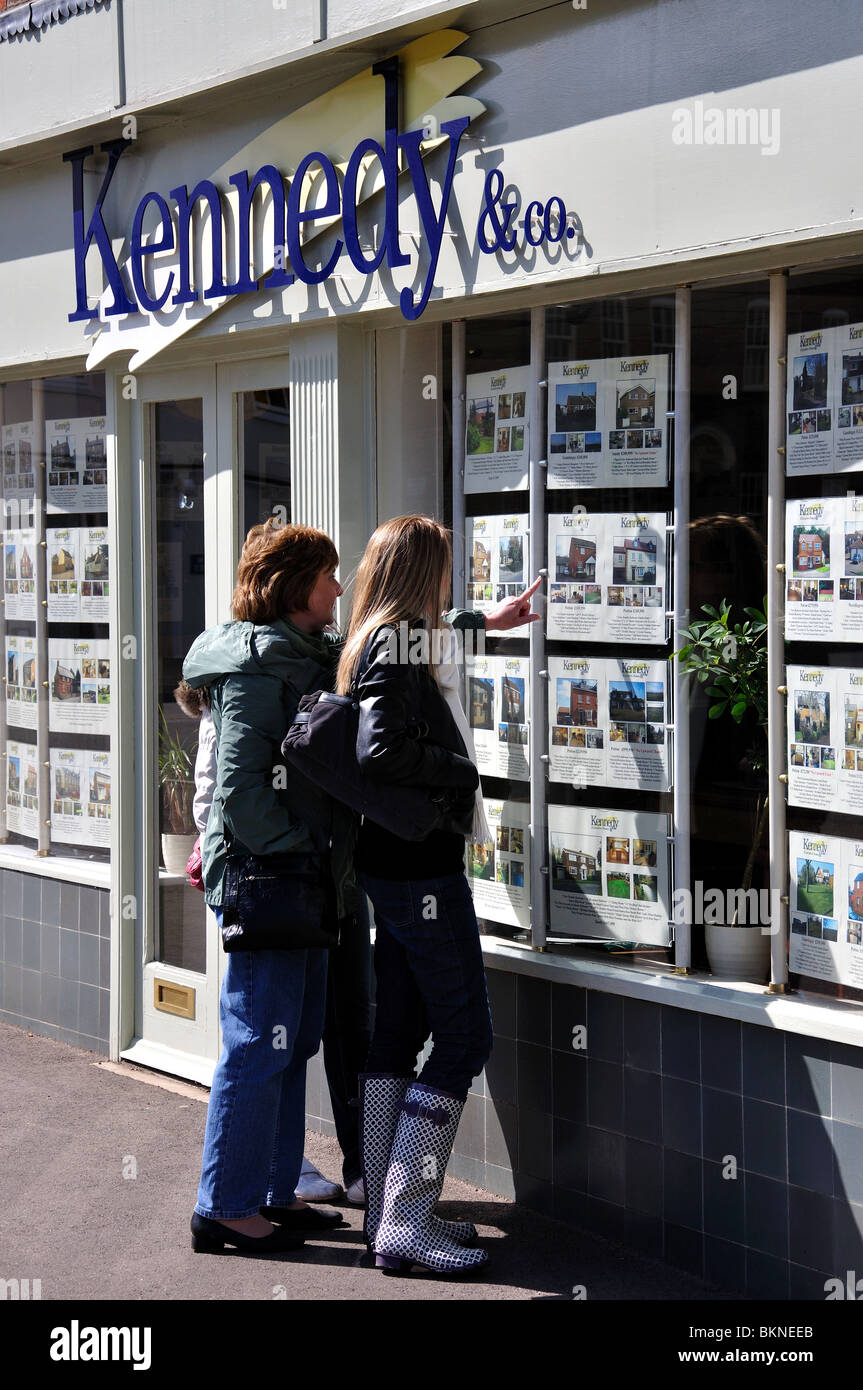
(337, 271)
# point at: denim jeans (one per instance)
(272, 1015)
(430, 978)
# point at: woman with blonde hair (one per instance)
(428, 961)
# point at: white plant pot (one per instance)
(176, 850)
(738, 953)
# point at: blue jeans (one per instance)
(272, 1013)
(430, 978)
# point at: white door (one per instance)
(214, 451)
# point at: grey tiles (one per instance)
(764, 1064)
(810, 1151)
(53, 978)
(681, 1044)
(605, 1026)
(641, 1034)
(724, 1202)
(807, 1071)
(569, 1086)
(533, 1010)
(720, 1053)
(847, 1083)
(810, 1229)
(681, 1115)
(848, 1161)
(764, 1147)
(731, 1150)
(722, 1125)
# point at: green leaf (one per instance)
(716, 710)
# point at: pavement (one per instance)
(99, 1164)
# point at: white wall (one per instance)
(578, 104)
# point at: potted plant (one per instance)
(177, 780)
(730, 661)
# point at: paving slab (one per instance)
(99, 1164)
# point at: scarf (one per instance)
(449, 680)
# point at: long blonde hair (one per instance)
(404, 575)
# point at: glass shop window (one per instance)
(58, 571)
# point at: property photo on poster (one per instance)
(824, 569)
(498, 870)
(607, 422)
(826, 907)
(497, 693)
(608, 874)
(496, 430)
(608, 722)
(607, 576)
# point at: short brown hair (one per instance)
(279, 566)
(193, 700)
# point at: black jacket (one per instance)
(407, 734)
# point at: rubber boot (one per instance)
(421, 1147)
(381, 1097)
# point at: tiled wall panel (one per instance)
(55, 958)
(728, 1149)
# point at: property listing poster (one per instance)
(824, 569)
(18, 444)
(80, 686)
(606, 576)
(21, 682)
(824, 400)
(22, 788)
(19, 548)
(826, 908)
(499, 870)
(498, 692)
(498, 566)
(496, 452)
(607, 723)
(825, 738)
(78, 574)
(77, 462)
(64, 602)
(609, 874)
(607, 424)
(80, 796)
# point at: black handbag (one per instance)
(322, 745)
(277, 902)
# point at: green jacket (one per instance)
(256, 676)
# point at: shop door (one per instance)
(215, 451)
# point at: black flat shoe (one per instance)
(312, 1221)
(210, 1237)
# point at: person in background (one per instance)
(428, 959)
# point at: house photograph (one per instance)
(575, 557)
(636, 403)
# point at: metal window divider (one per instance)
(680, 776)
(776, 714)
(43, 665)
(459, 392)
(537, 481)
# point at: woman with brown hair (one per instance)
(272, 1002)
(428, 960)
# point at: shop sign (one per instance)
(322, 190)
(291, 213)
